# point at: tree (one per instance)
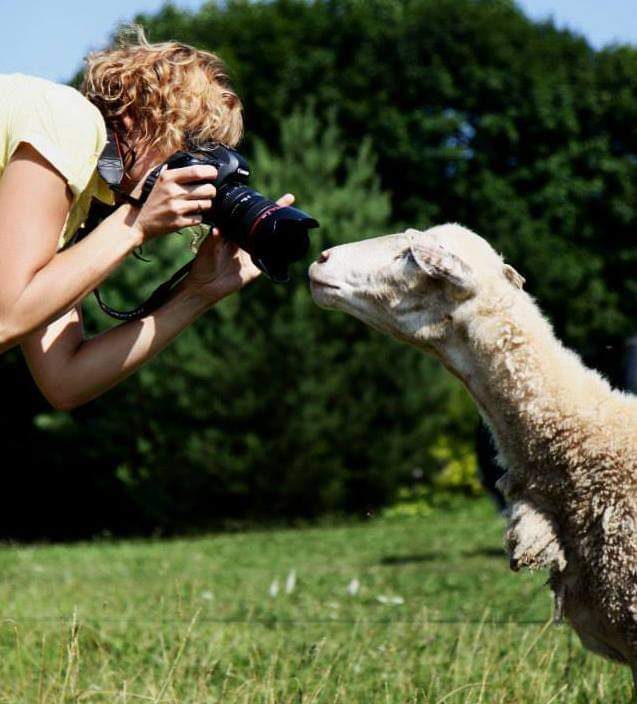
(477, 114)
(264, 408)
(420, 112)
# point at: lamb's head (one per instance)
(413, 285)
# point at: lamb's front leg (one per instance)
(532, 538)
(532, 541)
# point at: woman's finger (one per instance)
(286, 200)
(198, 190)
(188, 174)
(210, 246)
(196, 205)
(188, 221)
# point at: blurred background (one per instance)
(514, 119)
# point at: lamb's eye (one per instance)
(408, 255)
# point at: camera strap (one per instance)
(156, 299)
(110, 167)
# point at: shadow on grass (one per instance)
(409, 559)
(498, 552)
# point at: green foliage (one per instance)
(376, 114)
(264, 408)
(478, 115)
(423, 500)
(459, 469)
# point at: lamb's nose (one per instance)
(323, 256)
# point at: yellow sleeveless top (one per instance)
(65, 128)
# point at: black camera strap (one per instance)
(110, 166)
(156, 299)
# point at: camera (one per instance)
(275, 236)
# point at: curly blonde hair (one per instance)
(174, 94)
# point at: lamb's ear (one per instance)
(513, 276)
(437, 262)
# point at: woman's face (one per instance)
(146, 158)
(144, 161)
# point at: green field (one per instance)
(438, 617)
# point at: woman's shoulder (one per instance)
(57, 120)
(58, 100)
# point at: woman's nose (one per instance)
(323, 256)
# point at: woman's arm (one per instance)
(71, 370)
(37, 284)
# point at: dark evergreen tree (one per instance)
(421, 111)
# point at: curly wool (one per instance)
(568, 443)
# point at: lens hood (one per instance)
(278, 239)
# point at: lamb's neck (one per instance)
(529, 388)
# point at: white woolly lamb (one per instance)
(566, 439)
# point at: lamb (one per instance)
(566, 439)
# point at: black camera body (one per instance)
(273, 235)
(231, 166)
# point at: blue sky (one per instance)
(49, 37)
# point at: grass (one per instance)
(201, 620)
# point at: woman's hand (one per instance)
(175, 201)
(221, 268)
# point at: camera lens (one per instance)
(274, 235)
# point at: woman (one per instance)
(51, 136)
